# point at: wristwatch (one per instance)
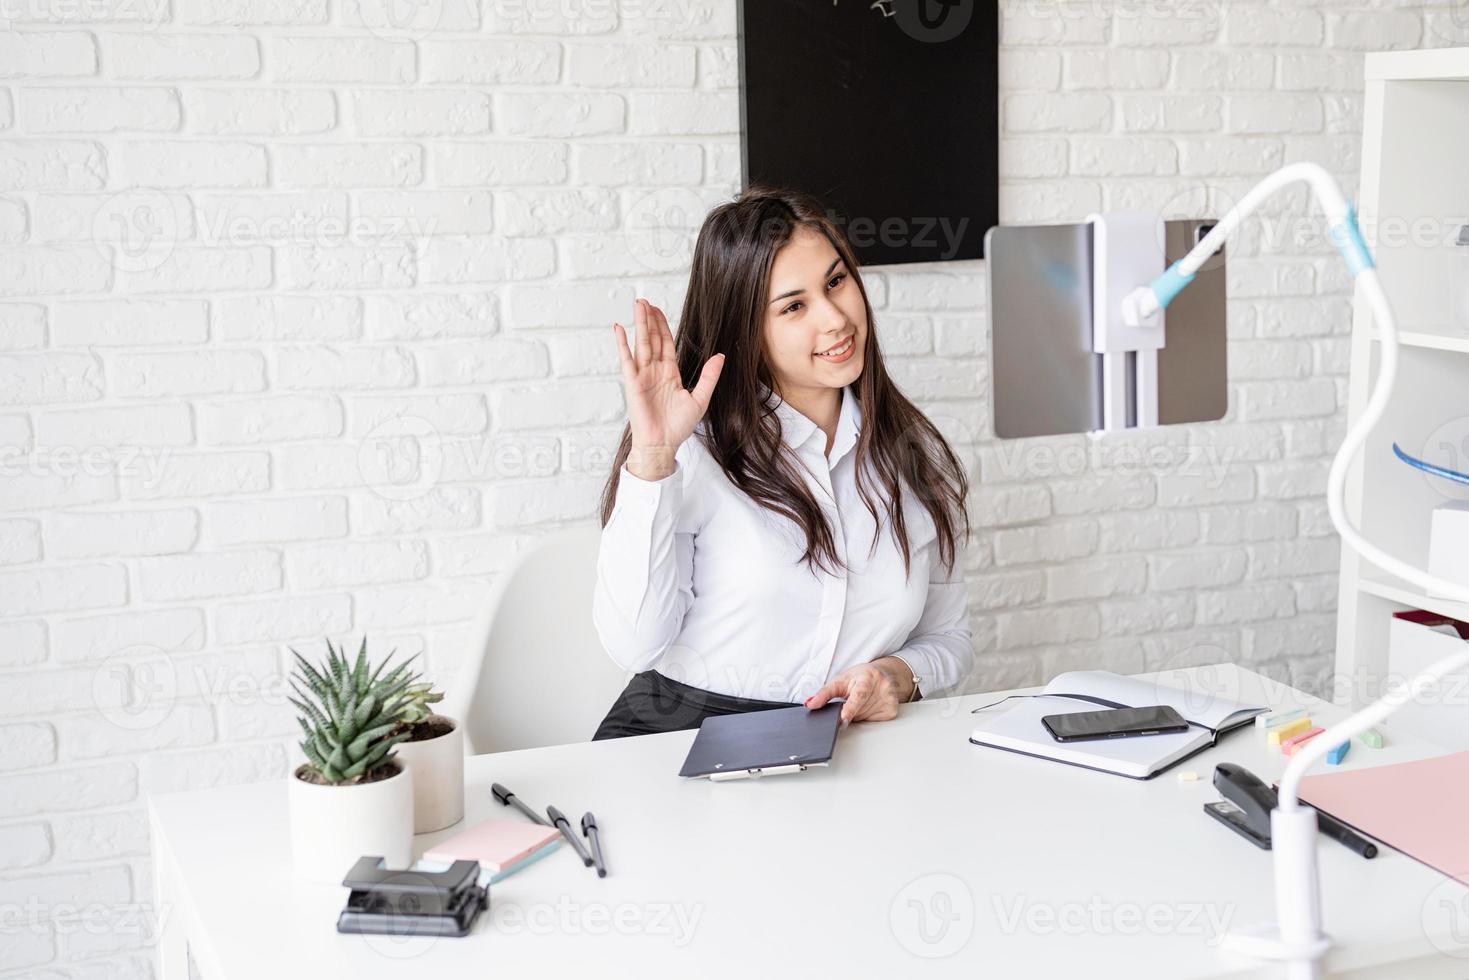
(917, 694)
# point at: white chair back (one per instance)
(537, 674)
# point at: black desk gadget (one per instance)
(1246, 808)
(412, 903)
(764, 743)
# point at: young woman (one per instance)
(791, 530)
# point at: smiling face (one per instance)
(815, 317)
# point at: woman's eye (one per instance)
(791, 307)
(836, 280)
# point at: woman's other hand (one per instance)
(660, 412)
(872, 691)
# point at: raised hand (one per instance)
(660, 411)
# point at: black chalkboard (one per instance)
(885, 111)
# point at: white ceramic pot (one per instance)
(438, 778)
(333, 826)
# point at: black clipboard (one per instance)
(762, 743)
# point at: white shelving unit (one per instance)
(1414, 194)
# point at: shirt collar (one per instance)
(796, 429)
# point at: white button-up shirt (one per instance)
(697, 580)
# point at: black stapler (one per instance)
(412, 903)
(1246, 808)
(1247, 803)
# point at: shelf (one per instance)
(1403, 595)
(1431, 341)
(1415, 138)
(1438, 64)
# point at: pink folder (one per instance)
(1418, 808)
(495, 844)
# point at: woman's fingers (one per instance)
(624, 355)
(867, 697)
(708, 378)
(859, 698)
(644, 351)
(834, 688)
(655, 333)
(665, 335)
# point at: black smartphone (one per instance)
(1083, 726)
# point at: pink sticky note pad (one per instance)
(495, 844)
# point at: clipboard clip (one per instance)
(719, 777)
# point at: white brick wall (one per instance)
(241, 239)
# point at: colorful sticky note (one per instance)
(1371, 738)
(1334, 757)
(1290, 745)
(1289, 730)
(1277, 718)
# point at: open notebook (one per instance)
(1018, 728)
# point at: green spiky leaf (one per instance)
(352, 712)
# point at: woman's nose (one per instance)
(836, 320)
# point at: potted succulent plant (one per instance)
(434, 750)
(353, 796)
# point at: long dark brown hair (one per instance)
(724, 311)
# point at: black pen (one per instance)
(1344, 835)
(510, 799)
(562, 824)
(589, 827)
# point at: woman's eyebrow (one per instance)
(796, 292)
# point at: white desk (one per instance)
(1021, 867)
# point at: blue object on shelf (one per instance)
(1334, 757)
(1427, 467)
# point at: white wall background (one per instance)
(249, 248)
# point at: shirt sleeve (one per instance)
(940, 650)
(645, 567)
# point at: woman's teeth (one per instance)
(839, 351)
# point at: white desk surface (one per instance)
(1037, 869)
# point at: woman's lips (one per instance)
(843, 352)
